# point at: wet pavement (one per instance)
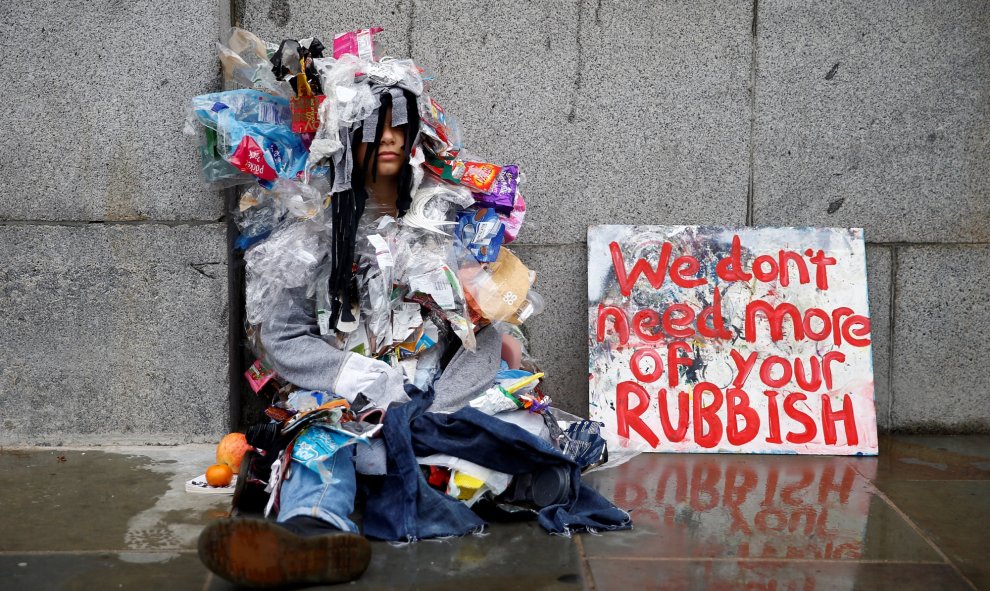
(916, 517)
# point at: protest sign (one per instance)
(713, 339)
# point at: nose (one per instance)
(389, 135)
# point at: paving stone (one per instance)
(125, 499)
(725, 506)
(769, 574)
(95, 96)
(945, 512)
(113, 333)
(148, 571)
(559, 336)
(873, 114)
(939, 345)
(934, 457)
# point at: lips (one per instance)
(386, 156)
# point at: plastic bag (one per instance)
(287, 259)
(498, 290)
(244, 58)
(253, 132)
(620, 449)
(257, 215)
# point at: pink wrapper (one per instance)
(360, 43)
(514, 221)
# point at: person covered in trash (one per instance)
(385, 308)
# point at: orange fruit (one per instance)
(231, 450)
(219, 475)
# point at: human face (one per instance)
(390, 151)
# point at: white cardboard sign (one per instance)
(744, 340)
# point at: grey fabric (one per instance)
(369, 127)
(295, 349)
(400, 116)
(469, 373)
(343, 162)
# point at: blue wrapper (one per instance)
(483, 233)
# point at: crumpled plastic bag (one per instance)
(288, 258)
(244, 57)
(498, 290)
(253, 132)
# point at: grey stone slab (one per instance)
(874, 115)
(614, 111)
(506, 71)
(113, 333)
(558, 337)
(663, 112)
(151, 571)
(150, 512)
(274, 20)
(95, 96)
(940, 348)
(878, 262)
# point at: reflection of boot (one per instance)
(260, 553)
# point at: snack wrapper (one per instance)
(360, 43)
(482, 232)
(502, 195)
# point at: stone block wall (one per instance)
(113, 285)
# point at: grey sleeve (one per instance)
(469, 373)
(294, 346)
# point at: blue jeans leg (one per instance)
(305, 493)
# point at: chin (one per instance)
(387, 170)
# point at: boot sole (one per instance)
(258, 553)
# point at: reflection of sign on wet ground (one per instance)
(731, 340)
(753, 508)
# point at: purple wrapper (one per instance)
(502, 197)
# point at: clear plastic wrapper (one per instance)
(353, 101)
(258, 214)
(287, 259)
(428, 266)
(244, 58)
(376, 268)
(395, 72)
(299, 200)
(619, 449)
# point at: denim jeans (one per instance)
(305, 493)
(402, 506)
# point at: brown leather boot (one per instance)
(259, 553)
